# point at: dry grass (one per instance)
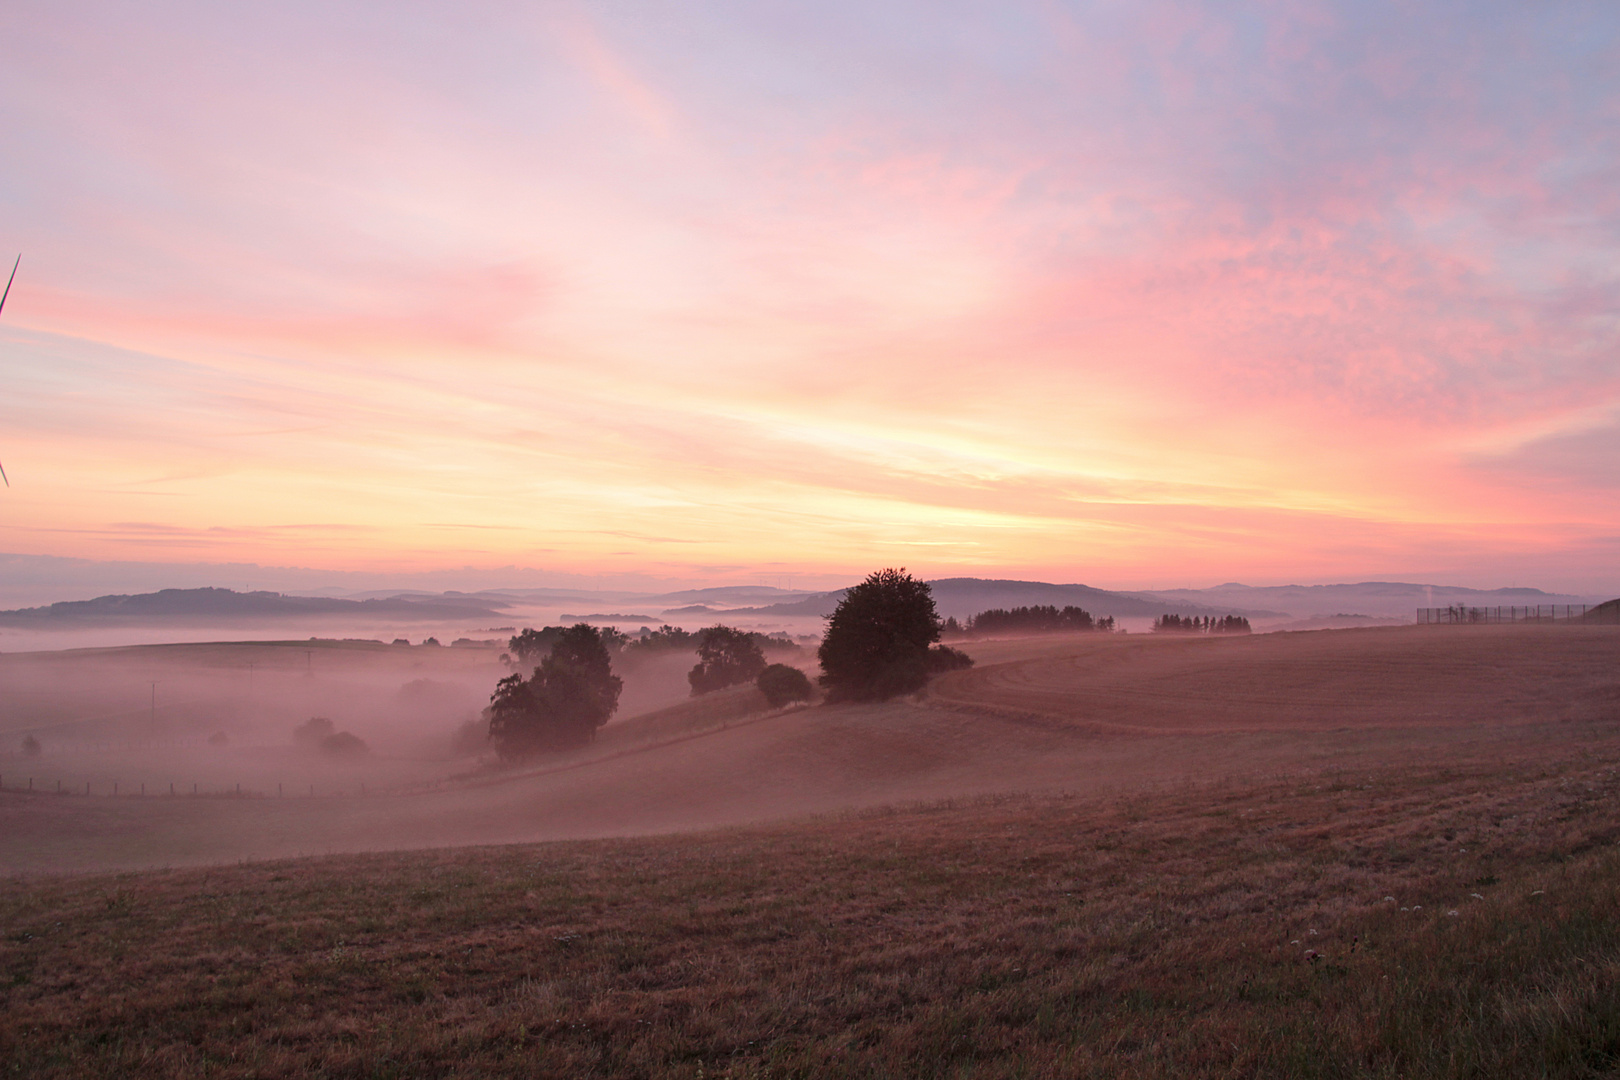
(1365, 854)
(1166, 933)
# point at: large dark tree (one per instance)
(877, 640)
(570, 695)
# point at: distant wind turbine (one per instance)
(3, 296)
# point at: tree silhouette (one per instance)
(781, 684)
(726, 657)
(878, 638)
(569, 696)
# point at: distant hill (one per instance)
(969, 596)
(1376, 598)
(1606, 612)
(961, 597)
(729, 596)
(226, 605)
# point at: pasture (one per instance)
(1344, 853)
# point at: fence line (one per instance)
(122, 790)
(1457, 614)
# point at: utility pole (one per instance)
(154, 707)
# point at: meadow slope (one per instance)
(1357, 854)
(1085, 714)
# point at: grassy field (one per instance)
(1411, 922)
(1418, 877)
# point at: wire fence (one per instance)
(24, 784)
(1537, 613)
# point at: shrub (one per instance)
(30, 746)
(313, 731)
(782, 684)
(943, 658)
(343, 744)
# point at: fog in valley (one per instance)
(209, 718)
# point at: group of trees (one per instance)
(1201, 624)
(527, 648)
(531, 646)
(1039, 619)
(730, 657)
(880, 642)
(572, 692)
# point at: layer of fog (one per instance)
(209, 718)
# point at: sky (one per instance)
(1138, 294)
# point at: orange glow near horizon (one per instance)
(1036, 296)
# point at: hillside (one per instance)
(1085, 714)
(203, 606)
(1388, 599)
(962, 597)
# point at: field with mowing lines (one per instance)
(1370, 853)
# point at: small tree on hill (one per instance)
(781, 684)
(570, 695)
(877, 640)
(726, 657)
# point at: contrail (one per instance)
(3, 296)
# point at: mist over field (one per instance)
(1011, 541)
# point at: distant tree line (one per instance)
(1039, 619)
(528, 647)
(531, 646)
(1201, 624)
(673, 638)
(879, 643)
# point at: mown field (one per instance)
(1353, 854)
(1410, 921)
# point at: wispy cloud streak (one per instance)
(1114, 292)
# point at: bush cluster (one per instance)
(783, 685)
